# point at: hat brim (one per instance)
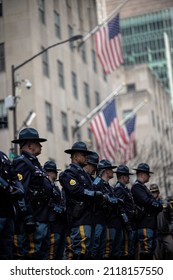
(108, 167)
(94, 164)
(143, 170)
(18, 141)
(53, 170)
(72, 151)
(123, 173)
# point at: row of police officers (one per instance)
(84, 217)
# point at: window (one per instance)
(57, 24)
(61, 74)
(2, 57)
(78, 131)
(158, 123)
(74, 85)
(3, 115)
(68, 3)
(64, 126)
(49, 124)
(86, 94)
(45, 63)
(1, 9)
(131, 87)
(90, 136)
(104, 76)
(153, 118)
(70, 34)
(94, 61)
(97, 98)
(41, 10)
(83, 53)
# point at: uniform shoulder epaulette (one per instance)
(21, 157)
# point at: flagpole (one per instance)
(99, 107)
(137, 108)
(169, 65)
(87, 36)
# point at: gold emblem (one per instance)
(20, 177)
(72, 182)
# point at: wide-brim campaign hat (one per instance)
(50, 165)
(144, 167)
(93, 159)
(123, 169)
(105, 164)
(28, 134)
(78, 147)
(154, 188)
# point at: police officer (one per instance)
(164, 240)
(32, 225)
(56, 240)
(148, 211)
(129, 209)
(10, 191)
(91, 168)
(79, 195)
(105, 212)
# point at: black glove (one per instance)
(98, 195)
(157, 205)
(16, 193)
(120, 202)
(30, 225)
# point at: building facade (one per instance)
(145, 96)
(67, 82)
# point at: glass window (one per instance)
(1, 8)
(97, 98)
(57, 24)
(61, 74)
(2, 57)
(94, 61)
(78, 131)
(104, 76)
(64, 126)
(41, 10)
(131, 87)
(86, 94)
(74, 84)
(45, 63)
(153, 118)
(3, 115)
(83, 53)
(90, 137)
(49, 123)
(70, 34)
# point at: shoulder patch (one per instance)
(72, 182)
(20, 177)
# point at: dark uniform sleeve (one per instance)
(144, 199)
(23, 174)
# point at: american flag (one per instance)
(108, 134)
(108, 45)
(129, 128)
